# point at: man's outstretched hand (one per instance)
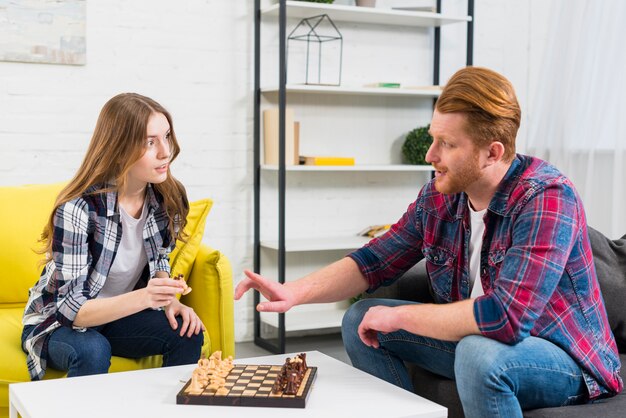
(280, 297)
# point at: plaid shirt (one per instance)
(87, 232)
(536, 265)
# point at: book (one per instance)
(304, 160)
(270, 137)
(382, 84)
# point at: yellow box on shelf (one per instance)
(304, 160)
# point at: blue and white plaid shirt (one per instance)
(87, 232)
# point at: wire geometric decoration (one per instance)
(316, 31)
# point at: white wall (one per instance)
(195, 57)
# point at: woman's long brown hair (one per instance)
(117, 143)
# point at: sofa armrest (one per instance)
(412, 285)
(212, 298)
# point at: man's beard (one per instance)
(461, 178)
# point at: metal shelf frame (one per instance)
(277, 345)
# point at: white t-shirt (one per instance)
(477, 226)
(130, 258)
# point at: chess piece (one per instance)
(196, 386)
(303, 358)
(186, 289)
(277, 387)
(291, 388)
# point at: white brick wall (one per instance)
(195, 57)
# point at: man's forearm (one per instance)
(338, 281)
(449, 322)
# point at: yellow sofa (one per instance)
(23, 212)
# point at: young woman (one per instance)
(105, 288)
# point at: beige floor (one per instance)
(329, 344)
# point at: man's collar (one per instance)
(501, 199)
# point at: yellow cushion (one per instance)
(12, 358)
(212, 282)
(181, 259)
(23, 214)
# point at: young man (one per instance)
(519, 321)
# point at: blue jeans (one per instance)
(493, 379)
(145, 333)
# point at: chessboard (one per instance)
(251, 385)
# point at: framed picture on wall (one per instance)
(41, 31)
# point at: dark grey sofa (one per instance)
(610, 261)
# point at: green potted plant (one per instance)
(416, 145)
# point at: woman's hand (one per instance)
(192, 324)
(161, 291)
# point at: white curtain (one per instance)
(578, 119)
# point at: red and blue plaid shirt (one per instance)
(536, 265)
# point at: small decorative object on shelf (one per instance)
(383, 84)
(366, 3)
(374, 231)
(318, 1)
(413, 5)
(307, 57)
(416, 145)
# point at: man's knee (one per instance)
(476, 356)
(354, 315)
(357, 310)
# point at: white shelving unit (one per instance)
(356, 168)
(339, 13)
(427, 91)
(299, 188)
(309, 319)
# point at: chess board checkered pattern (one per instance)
(251, 385)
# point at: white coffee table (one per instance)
(339, 391)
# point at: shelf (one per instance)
(340, 13)
(305, 249)
(364, 167)
(307, 320)
(319, 243)
(426, 91)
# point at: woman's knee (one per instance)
(196, 340)
(80, 353)
(95, 347)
